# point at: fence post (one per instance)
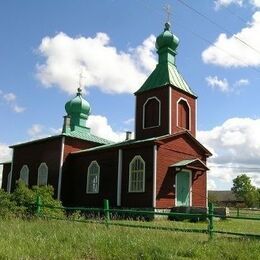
(211, 216)
(106, 211)
(237, 211)
(38, 205)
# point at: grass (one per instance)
(54, 239)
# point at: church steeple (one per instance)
(166, 72)
(78, 111)
(165, 104)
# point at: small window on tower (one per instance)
(183, 114)
(151, 112)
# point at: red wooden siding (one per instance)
(76, 178)
(171, 152)
(176, 96)
(162, 94)
(33, 154)
(138, 199)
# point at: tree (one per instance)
(243, 189)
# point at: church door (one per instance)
(183, 188)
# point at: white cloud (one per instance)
(242, 82)
(10, 99)
(129, 121)
(236, 146)
(217, 83)
(37, 131)
(211, 184)
(255, 3)
(235, 53)
(225, 3)
(99, 126)
(103, 66)
(223, 85)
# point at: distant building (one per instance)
(164, 166)
(225, 198)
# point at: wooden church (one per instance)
(163, 167)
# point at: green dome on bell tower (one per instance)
(78, 111)
(165, 72)
(166, 45)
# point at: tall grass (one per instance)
(54, 239)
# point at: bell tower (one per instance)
(165, 104)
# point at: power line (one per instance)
(218, 25)
(234, 167)
(201, 38)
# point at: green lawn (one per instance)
(54, 239)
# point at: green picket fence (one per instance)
(107, 219)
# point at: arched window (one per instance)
(93, 178)
(137, 175)
(24, 174)
(42, 174)
(152, 112)
(183, 114)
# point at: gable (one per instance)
(184, 143)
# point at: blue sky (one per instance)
(46, 44)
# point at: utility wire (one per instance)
(218, 25)
(199, 36)
(234, 167)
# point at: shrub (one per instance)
(54, 207)
(7, 206)
(24, 199)
(22, 202)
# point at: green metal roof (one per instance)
(187, 162)
(114, 145)
(88, 137)
(165, 74)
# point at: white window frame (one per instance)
(159, 121)
(130, 188)
(24, 174)
(88, 178)
(43, 164)
(177, 112)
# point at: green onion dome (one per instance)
(78, 106)
(167, 39)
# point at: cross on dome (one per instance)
(168, 12)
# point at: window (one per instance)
(42, 174)
(93, 178)
(183, 114)
(136, 174)
(24, 174)
(151, 112)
